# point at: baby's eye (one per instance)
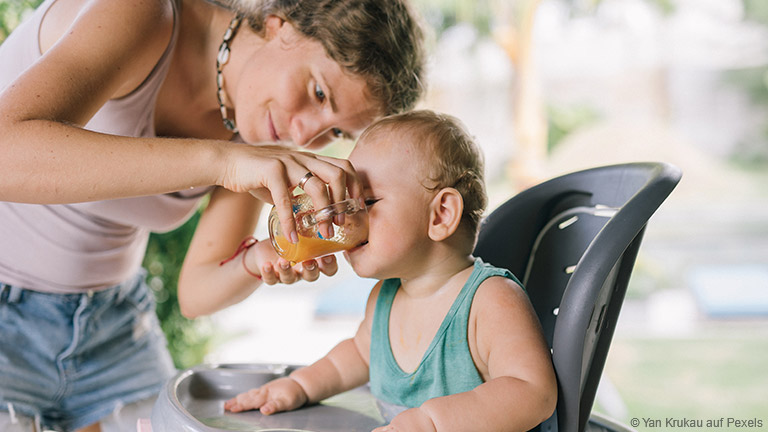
(371, 201)
(319, 93)
(338, 133)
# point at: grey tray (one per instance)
(193, 401)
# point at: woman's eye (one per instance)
(371, 201)
(338, 133)
(319, 93)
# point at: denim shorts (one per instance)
(70, 360)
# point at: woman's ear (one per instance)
(272, 26)
(445, 212)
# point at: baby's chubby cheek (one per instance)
(355, 262)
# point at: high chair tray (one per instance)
(193, 401)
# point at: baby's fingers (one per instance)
(252, 399)
(270, 407)
(281, 402)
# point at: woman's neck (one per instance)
(187, 104)
(203, 26)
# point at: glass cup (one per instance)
(349, 225)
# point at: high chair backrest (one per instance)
(573, 241)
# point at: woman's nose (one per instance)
(306, 131)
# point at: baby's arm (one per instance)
(343, 368)
(520, 389)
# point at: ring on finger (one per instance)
(304, 179)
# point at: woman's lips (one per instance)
(272, 131)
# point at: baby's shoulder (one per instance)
(499, 293)
(500, 285)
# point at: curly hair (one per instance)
(380, 40)
(451, 157)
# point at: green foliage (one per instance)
(756, 10)
(752, 152)
(563, 120)
(587, 7)
(754, 81)
(12, 12)
(442, 14)
(713, 374)
(188, 340)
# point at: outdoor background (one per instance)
(554, 86)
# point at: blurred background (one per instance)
(553, 86)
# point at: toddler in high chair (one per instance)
(453, 339)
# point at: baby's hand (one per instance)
(411, 420)
(282, 394)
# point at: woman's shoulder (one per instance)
(124, 39)
(152, 19)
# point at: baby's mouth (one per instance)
(358, 247)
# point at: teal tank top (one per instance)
(447, 367)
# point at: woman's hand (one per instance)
(271, 172)
(282, 394)
(274, 269)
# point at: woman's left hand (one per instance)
(274, 269)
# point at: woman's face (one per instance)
(290, 90)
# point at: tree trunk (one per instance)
(529, 116)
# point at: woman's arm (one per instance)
(520, 389)
(106, 52)
(47, 156)
(206, 286)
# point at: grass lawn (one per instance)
(722, 374)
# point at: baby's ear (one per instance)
(445, 212)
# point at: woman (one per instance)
(116, 119)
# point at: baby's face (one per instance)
(398, 207)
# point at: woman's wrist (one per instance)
(216, 160)
(242, 250)
(255, 274)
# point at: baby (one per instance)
(452, 338)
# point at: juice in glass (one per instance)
(348, 231)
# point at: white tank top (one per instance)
(69, 248)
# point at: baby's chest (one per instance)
(409, 341)
(413, 330)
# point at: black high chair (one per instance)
(573, 241)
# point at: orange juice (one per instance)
(309, 247)
(350, 232)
